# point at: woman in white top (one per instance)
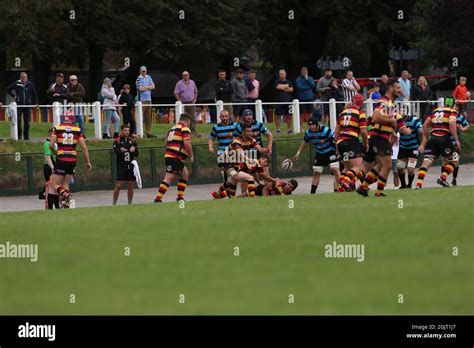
(108, 105)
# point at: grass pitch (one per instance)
(190, 251)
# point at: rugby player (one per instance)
(409, 151)
(126, 150)
(47, 193)
(322, 139)
(178, 148)
(252, 170)
(277, 188)
(241, 149)
(351, 123)
(66, 135)
(443, 124)
(462, 125)
(223, 132)
(385, 121)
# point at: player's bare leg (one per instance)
(335, 171)
(130, 192)
(116, 193)
(427, 162)
(315, 181)
(247, 180)
(385, 165)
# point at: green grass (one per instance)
(190, 251)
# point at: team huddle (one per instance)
(359, 148)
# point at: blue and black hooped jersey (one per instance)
(223, 133)
(322, 139)
(258, 128)
(411, 141)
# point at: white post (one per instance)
(295, 111)
(258, 110)
(13, 111)
(178, 110)
(96, 115)
(440, 102)
(139, 118)
(219, 108)
(370, 107)
(332, 113)
(56, 113)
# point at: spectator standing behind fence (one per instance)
(57, 92)
(283, 93)
(24, 92)
(253, 89)
(383, 84)
(335, 92)
(462, 95)
(224, 91)
(127, 103)
(406, 85)
(304, 92)
(349, 86)
(110, 99)
(240, 93)
(421, 91)
(75, 94)
(145, 85)
(322, 88)
(186, 92)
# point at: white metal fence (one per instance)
(95, 110)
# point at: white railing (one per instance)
(294, 110)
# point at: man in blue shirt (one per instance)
(322, 138)
(404, 81)
(145, 85)
(409, 151)
(304, 92)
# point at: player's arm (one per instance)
(135, 149)
(404, 130)
(49, 161)
(267, 189)
(189, 148)
(377, 117)
(261, 149)
(336, 132)
(211, 146)
(365, 138)
(300, 150)
(426, 133)
(454, 131)
(270, 141)
(266, 177)
(85, 151)
(422, 139)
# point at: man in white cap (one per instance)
(145, 85)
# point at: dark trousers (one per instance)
(128, 119)
(26, 114)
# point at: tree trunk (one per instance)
(96, 57)
(3, 73)
(41, 70)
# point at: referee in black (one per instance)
(126, 150)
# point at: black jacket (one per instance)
(126, 99)
(418, 93)
(224, 90)
(335, 93)
(24, 94)
(60, 89)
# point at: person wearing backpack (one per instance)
(108, 105)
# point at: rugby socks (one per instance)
(361, 176)
(231, 190)
(410, 179)
(350, 177)
(421, 175)
(161, 191)
(314, 188)
(402, 179)
(455, 172)
(370, 178)
(251, 188)
(381, 183)
(342, 176)
(448, 169)
(181, 187)
(442, 169)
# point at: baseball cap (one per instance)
(247, 112)
(59, 74)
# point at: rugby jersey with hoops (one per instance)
(386, 108)
(224, 133)
(322, 139)
(258, 128)
(175, 141)
(67, 137)
(351, 120)
(440, 118)
(411, 141)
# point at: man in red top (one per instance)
(64, 140)
(461, 94)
